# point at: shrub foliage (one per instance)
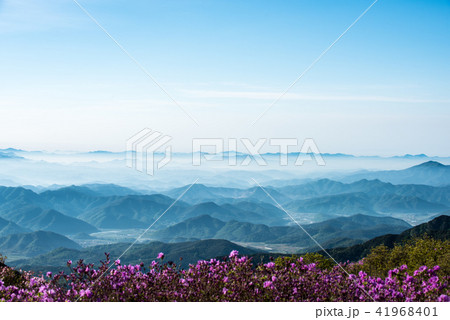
(414, 271)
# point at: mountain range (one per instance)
(36, 218)
(358, 227)
(192, 251)
(430, 173)
(335, 213)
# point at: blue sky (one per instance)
(382, 89)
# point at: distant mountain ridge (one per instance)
(358, 202)
(110, 206)
(430, 173)
(327, 187)
(199, 193)
(225, 153)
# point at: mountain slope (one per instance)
(353, 203)
(70, 201)
(355, 227)
(36, 218)
(131, 211)
(438, 228)
(34, 243)
(390, 203)
(340, 204)
(326, 187)
(107, 190)
(226, 212)
(9, 227)
(140, 211)
(191, 252)
(15, 197)
(200, 193)
(201, 227)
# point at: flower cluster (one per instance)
(231, 279)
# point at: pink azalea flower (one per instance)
(234, 253)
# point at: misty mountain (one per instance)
(355, 227)
(111, 206)
(13, 197)
(107, 190)
(439, 195)
(312, 189)
(391, 203)
(140, 211)
(204, 249)
(358, 202)
(71, 201)
(212, 209)
(199, 193)
(34, 243)
(36, 218)
(8, 155)
(272, 215)
(130, 211)
(325, 187)
(9, 227)
(430, 173)
(341, 204)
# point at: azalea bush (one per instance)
(414, 253)
(9, 276)
(232, 279)
(318, 259)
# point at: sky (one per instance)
(382, 89)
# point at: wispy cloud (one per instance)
(258, 95)
(36, 15)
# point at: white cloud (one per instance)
(258, 95)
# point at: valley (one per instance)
(334, 213)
